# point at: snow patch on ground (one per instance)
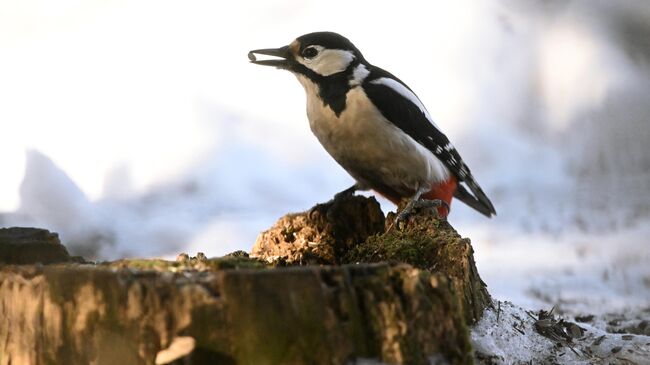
(506, 335)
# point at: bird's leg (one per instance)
(408, 209)
(431, 203)
(415, 203)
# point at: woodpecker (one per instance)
(375, 126)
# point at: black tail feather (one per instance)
(479, 201)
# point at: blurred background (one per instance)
(138, 128)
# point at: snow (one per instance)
(217, 207)
(184, 146)
(506, 335)
(579, 273)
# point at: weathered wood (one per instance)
(23, 246)
(352, 230)
(400, 296)
(321, 235)
(79, 314)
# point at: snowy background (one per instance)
(138, 128)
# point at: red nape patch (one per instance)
(443, 191)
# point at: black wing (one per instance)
(408, 114)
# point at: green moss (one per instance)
(419, 246)
(146, 264)
(433, 245)
(235, 262)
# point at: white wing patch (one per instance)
(408, 94)
(405, 92)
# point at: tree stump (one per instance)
(30, 246)
(404, 296)
(354, 230)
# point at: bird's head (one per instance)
(315, 55)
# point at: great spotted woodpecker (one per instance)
(375, 127)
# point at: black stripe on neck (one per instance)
(332, 89)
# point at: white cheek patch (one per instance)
(328, 61)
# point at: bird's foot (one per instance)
(346, 193)
(418, 204)
(340, 195)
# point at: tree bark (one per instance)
(403, 296)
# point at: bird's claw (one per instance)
(340, 195)
(345, 193)
(416, 204)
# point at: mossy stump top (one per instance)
(354, 230)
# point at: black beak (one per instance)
(283, 52)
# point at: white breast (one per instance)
(368, 146)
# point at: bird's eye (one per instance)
(309, 52)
